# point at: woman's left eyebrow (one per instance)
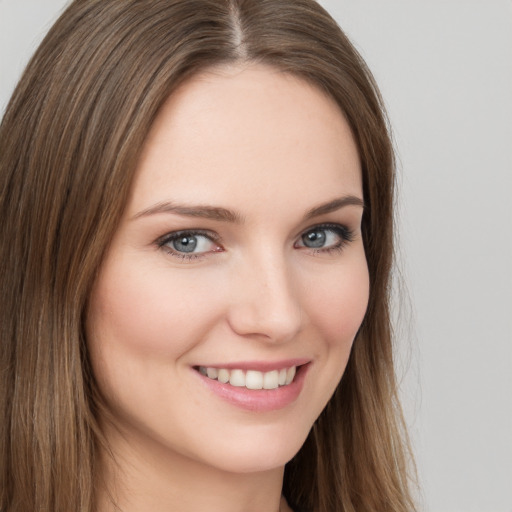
(334, 205)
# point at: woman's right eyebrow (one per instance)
(201, 211)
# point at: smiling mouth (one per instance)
(250, 379)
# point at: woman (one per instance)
(196, 200)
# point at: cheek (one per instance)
(338, 304)
(140, 324)
(140, 327)
(147, 312)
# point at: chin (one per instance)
(258, 449)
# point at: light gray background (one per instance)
(445, 70)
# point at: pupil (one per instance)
(185, 244)
(314, 239)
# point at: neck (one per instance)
(141, 476)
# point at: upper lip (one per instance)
(262, 366)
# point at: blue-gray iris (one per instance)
(314, 239)
(185, 243)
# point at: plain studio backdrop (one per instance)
(445, 70)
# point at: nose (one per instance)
(265, 301)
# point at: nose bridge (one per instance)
(266, 300)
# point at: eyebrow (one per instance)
(334, 205)
(204, 212)
(224, 215)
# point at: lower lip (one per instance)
(258, 400)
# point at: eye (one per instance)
(325, 238)
(189, 244)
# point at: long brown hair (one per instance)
(69, 144)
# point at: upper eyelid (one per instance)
(335, 226)
(214, 237)
(325, 225)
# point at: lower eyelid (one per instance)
(184, 255)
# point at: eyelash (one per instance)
(345, 235)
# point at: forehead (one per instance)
(252, 129)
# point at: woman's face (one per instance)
(240, 256)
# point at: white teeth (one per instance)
(237, 378)
(290, 374)
(212, 373)
(252, 379)
(271, 380)
(223, 376)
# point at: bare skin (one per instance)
(240, 245)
